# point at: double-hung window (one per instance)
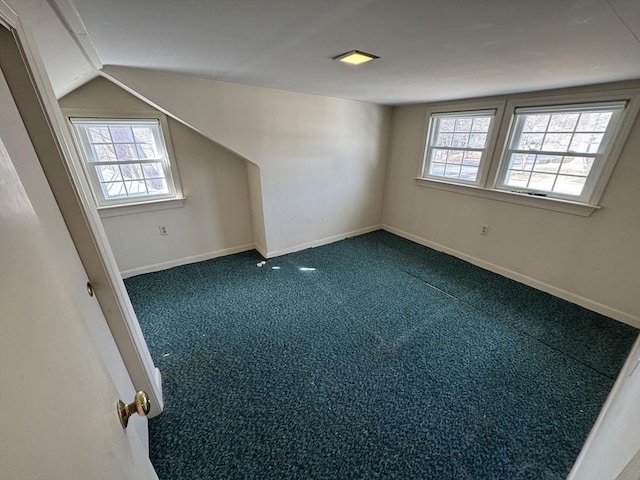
(554, 152)
(126, 160)
(457, 145)
(559, 151)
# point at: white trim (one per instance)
(172, 175)
(140, 207)
(8, 16)
(496, 109)
(518, 277)
(261, 250)
(82, 217)
(66, 12)
(186, 260)
(609, 410)
(322, 241)
(495, 162)
(545, 203)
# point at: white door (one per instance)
(60, 370)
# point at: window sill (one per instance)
(564, 206)
(141, 207)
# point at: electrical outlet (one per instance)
(484, 230)
(163, 230)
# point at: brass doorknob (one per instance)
(140, 405)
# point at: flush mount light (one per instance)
(355, 57)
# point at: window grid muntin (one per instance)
(91, 163)
(434, 132)
(520, 114)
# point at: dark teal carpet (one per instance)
(389, 360)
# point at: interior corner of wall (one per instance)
(257, 208)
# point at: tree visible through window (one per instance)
(457, 144)
(126, 160)
(557, 151)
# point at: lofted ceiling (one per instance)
(429, 49)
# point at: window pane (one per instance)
(444, 140)
(557, 142)
(477, 140)
(153, 170)
(136, 187)
(122, 144)
(594, 122)
(586, 142)
(449, 140)
(516, 178)
(103, 153)
(447, 124)
(452, 171)
(439, 156)
(463, 124)
(536, 123)
(126, 152)
(541, 181)
(108, 173)
(147, 151)
(98, 134)
(547, 163)
(521, 161)
(143, 134)
(437, 169)
(580, 166)
(113, 190)
(468, 173)
(460, 140)
(121, 134)
(157, 186)
(481, 124)
(131, 171)
(472, 158)
(530, 141)
(563, 122)
(569, 185)
(455, 156)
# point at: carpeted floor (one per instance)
(369, 358)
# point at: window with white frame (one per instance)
(127, 161)
(559, 151)
(556, 152)
(457, 145)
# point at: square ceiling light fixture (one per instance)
(355, 57)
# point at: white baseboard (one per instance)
(518, 277)
(322, 241)
(185, 260)
(261, 250)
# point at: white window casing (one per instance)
(128, 160)
(564, 166)
(559, 151)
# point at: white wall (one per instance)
(215, 218)
(322, 160)
(593, 261)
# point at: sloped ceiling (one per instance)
(430, 49)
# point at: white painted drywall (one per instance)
(594, 261)
(322, 160)
(615, 438)
(257, 210)
(216, 216)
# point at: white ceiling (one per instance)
(430, 49)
